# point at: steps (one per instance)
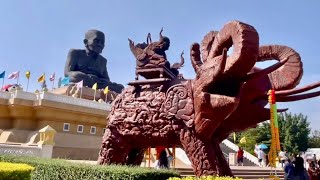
(233, 147)
(225, 149)
(244, 172)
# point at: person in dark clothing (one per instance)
(288, 167)
(298, 172)
(163, 160)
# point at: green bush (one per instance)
(51, 169)
(205, 178)
(14, 171)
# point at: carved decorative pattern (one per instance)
(158, 111)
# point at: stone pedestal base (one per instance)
(87, 93)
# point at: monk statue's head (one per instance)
(94, 41)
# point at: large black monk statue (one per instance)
(88, 65)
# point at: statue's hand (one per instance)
(92, 76)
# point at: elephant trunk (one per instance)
(245, 41)
(289, 75)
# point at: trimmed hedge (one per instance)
(52, 169)
(205, 178)
(14, 171)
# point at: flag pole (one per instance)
(81, 93)
(106, 98)
(2, 83)
(18, 80)
(94, 96)
(27, 85)
(52, 84)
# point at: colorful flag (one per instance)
(243, 140)
(42, 78)
(234, 137)
(14, 75)
(2, 75)
(65, 81)
(53, 77)
(79, 84)
(95, 86)
(28, 74)
(106, 90)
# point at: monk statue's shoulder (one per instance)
(102, 59)
(76, 52)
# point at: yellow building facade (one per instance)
(79, 123)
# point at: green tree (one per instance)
(296, 132)
(251, 136)
(314, 139)
(293, 133)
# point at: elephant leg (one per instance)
(114, 150)
(222, 164)
(135, 156)
(201, 154)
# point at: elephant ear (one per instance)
(245, 41)
(206, 44)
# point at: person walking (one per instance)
(240, 156)
(261, 157)
(282, 157)
(288, 167)
(298, 172)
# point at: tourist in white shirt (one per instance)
(261, 157)
(282, 157)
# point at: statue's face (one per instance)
(95, 42)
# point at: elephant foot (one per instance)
(135, 156)
(222, 165)
(201, 154)
(114, 150)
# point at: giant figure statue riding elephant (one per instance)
(228, 94)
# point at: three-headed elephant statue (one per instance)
(228, 94)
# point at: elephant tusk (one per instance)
(298, 97)
(297, 90)
(279, 110)
(265, 71)
(223, 61)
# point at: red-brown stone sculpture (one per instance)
(228, 94)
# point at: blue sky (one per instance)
(36, 35)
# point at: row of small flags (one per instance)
(16, 74)
(79, 85)
(42, 78)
